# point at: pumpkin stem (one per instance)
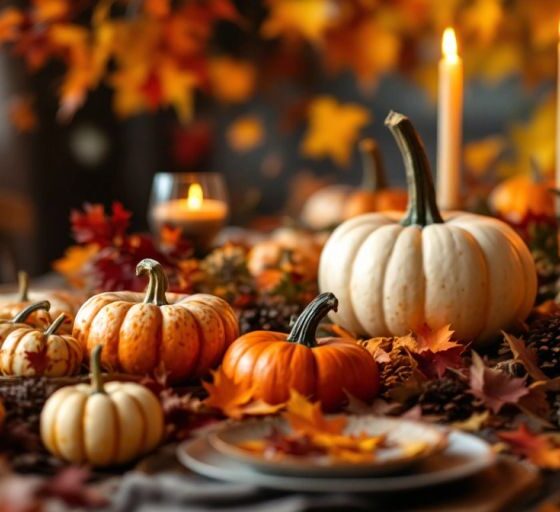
(305, 326)
(157, 284)
(95, 365)
(422, 208)
(56, 324)
(23, 315)
(372, 166)
(23, 286)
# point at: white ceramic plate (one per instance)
(399, 433)
(465, 455)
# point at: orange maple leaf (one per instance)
(11, 20)
(306, 418)
(227, 395)
(541, 449)
(333, 129)
(425, 339)
(245, 133)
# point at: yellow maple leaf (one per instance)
(481, 155)
(231, 80)
(308, 18)
(72, 264)
(334, 129)
(177, 87)
(245, 133)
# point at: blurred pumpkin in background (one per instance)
(330, 205)
(374, 195)
(515, 197)
(302, 248)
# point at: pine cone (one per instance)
(397, 371)
(268, 316)
(449, 399)
(544, 339)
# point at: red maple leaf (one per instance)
(38, 360)
(494, 387)
(93, 225)
(541, 449)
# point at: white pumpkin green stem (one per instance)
(95, 365)
(373, 170)
(24, 314)
(23, 286)
(157, 284)
(422, 208)
(305, 327)
(51, 329)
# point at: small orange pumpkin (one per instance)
(29, 351)
(374, 195)
(185, 334)
(273, 363)
(515, 197)
(61, 301)
(35, 315)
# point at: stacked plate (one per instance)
(446, 456)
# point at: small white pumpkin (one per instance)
(101, 424)
(29, 351)
(470, 271)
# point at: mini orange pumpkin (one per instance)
(35, 315)
(188, 335)
(374, 195)
(29, 351)
(517, 196)
(273, 363)
(61, 301)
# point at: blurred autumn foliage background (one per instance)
(97, 96)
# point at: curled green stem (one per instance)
(305, 327)
(157, 283)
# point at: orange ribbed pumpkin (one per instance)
(515, 197)
(273, 363)
(187, 335)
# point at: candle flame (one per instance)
(449, 44)
(195, 197)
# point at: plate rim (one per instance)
(371, 484)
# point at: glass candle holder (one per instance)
(196, 203)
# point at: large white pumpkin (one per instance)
(101, 424)
(467, 270)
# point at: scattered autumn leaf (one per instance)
(226, 395)
(245, 133)
(375, 347)
(71, 265)
(494, 387)
(473, 423)
(434, 349)
(306, 417)
(333, 129)
(525, 355)
(540, 449)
